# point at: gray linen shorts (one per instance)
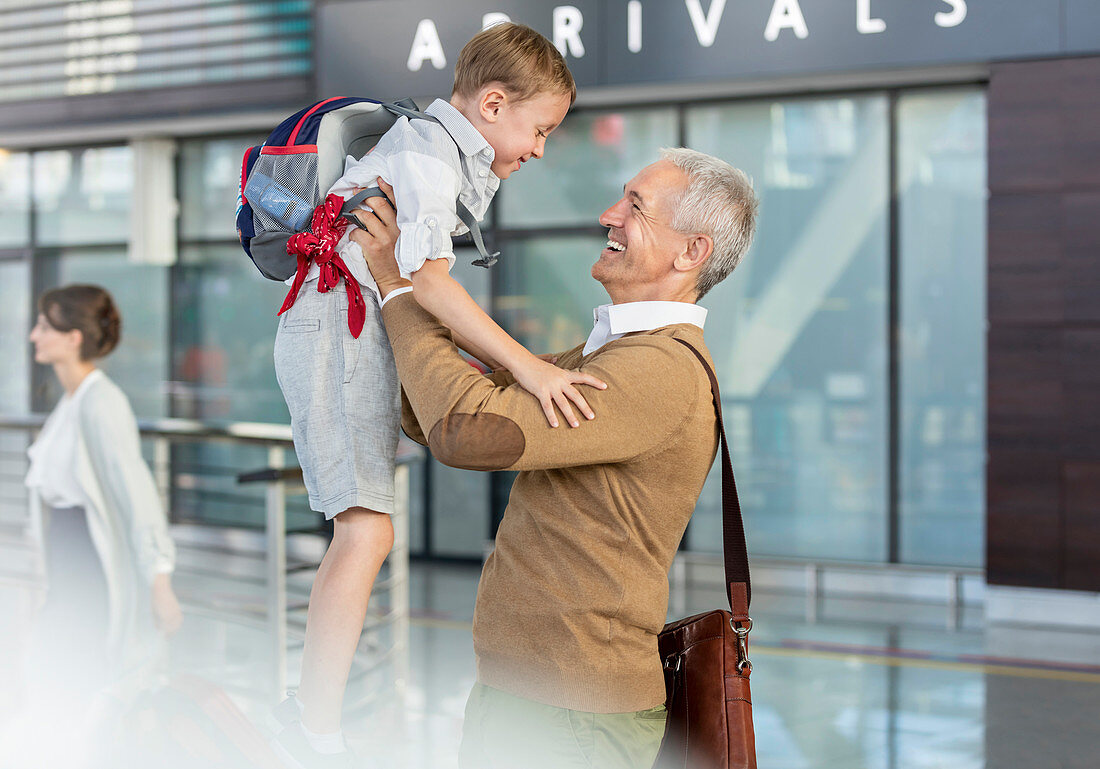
(344, 400)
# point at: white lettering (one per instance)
(426, 47)
(865, 25)
(956, 16)
(490, 19)
(568, 21)
(786, 14)
(634, 26)
(706, 27)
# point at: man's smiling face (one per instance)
(641, 244)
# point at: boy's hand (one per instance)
(554, 386)
(549, 357)
(377, 239)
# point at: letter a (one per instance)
(706, 27)
(426, 47)
(786, 14)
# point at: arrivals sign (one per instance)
(396, 47)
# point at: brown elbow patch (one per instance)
(477, 441)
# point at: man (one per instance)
(572, 599)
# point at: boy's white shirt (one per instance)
(429, 166)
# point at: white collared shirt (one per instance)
(613, 320)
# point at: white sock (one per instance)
(326, 744)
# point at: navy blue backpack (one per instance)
(284, 179)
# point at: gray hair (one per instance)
(719, 202)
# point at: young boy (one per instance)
(512, 89)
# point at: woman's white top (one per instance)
(53, 455)
(89, 454)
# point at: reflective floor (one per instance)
(865, 686)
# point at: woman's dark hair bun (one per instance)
(88, 309)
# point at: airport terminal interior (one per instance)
(907, 359)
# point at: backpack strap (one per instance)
(407, 108)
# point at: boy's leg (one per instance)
(337, 608)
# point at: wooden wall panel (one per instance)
(1081, 482)
(1080, 255)
(1025, 126)
(1043, 476)
(1025, 258)
(1023, 548)
(1080, 97)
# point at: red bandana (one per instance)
(319, 245)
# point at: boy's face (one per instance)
(517, 131)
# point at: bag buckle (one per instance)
(742, 631)
(674, 662)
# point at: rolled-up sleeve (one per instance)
(425, 189)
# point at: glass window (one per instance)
(941, 230)
(210, 177)
(224, 336)
(140, 363)
(16, 315)
(546, 291)
(15, 199)
(417, 499)
(83, 197)
(223, 370)
(798, 333)
(460, 511)
(587, 161)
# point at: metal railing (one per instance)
(282, 479)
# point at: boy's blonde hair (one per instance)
(517, 57)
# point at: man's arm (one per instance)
(409, 425)
(474, 423)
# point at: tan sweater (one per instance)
(572, 599)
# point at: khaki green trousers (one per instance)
(502, 731)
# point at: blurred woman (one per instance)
(94, 504)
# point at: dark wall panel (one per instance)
(1022, 547)
(1043, 475)
(1081, 253)
(1081, 482)
(1025, 258)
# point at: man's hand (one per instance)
(378, 239)
(554, 386)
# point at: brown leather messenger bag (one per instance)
(706, 657)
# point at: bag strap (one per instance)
(735, 552)
(407, 108)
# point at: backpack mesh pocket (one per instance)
(282, 190)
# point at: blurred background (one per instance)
(909, 355)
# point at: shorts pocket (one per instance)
(301, 325)
(351, 345)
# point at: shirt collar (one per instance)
(611, 321)
(629, 317)
(469, 140)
